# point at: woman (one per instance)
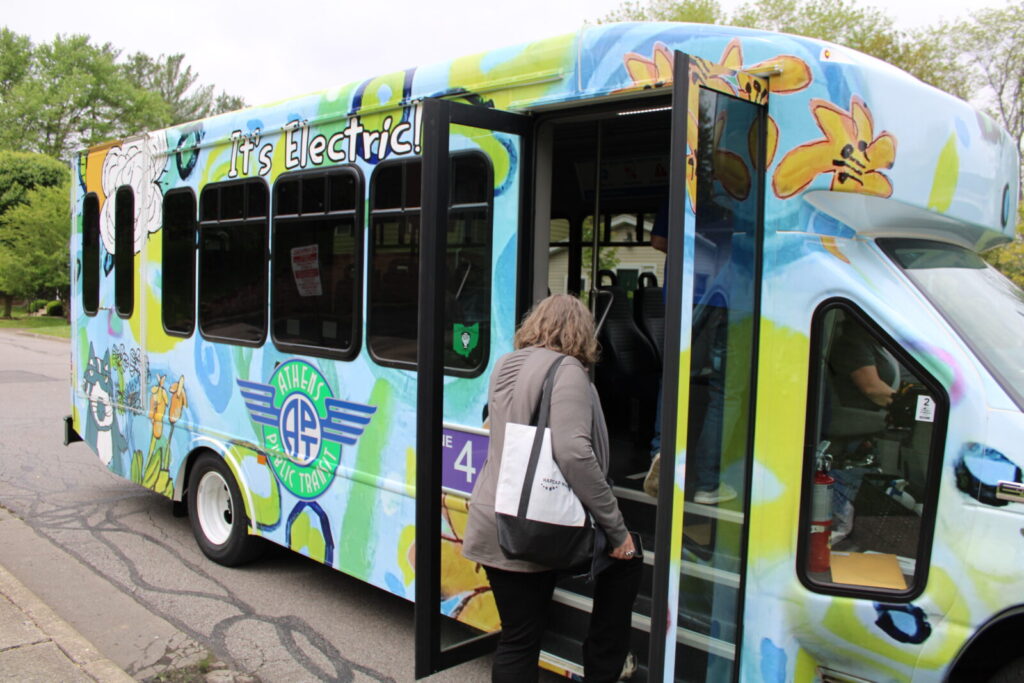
(522, 590)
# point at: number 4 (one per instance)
(464, 462)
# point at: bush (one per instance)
(55, 308)
(35, 305)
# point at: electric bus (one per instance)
(284, 319)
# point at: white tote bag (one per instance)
(539, 518)
(551, 498)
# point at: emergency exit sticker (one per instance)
(925, 409)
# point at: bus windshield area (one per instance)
(984, 307)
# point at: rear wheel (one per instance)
(217, 513)
(1012, 672)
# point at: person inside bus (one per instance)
(559, 324)
(863, 376)
(710, 336)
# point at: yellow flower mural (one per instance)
(724, 76)
(157, 407)
(793, 75)
(461, 578)
(850, 151)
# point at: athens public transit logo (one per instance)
(302, 421)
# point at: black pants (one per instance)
(524, 599)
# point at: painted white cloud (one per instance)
(137, 163)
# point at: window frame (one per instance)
(91, 294)
(358, 254)
(811, 436)
(124, 265)
(370, 213)
(219, 186)
(171, 194)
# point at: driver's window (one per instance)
(875, 437)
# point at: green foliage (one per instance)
(1009, 259)
(22, 178)
(73, 95)
(15, 58)
(21, 172)
(991, 42)
(175, 82)
(696, 11)
(70, 93)
(34, 253)
(35, 305)
(55, 327)
(55, 308)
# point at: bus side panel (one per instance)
(147, 399)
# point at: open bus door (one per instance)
(718, 140)
(457, 131)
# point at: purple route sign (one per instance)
(462, 457)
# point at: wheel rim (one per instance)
(213, 505)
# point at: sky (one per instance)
(265, 50)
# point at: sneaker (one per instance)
(722, 494)
(651, 480)
(629, 667)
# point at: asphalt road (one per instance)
(112, 559)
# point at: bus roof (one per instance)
(936, 167)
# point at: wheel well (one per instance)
(181, 487)
(989, 648)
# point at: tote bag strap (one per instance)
(543, 410)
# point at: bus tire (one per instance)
(1011, 672)
(217, 513)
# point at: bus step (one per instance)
(632, 490)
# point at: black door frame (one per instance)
(438, 117)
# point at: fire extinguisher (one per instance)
(821, 513)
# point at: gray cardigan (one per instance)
(579, 444)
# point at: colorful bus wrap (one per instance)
(286, 317)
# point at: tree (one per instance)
(991, 42)
(697, 11)
(20, 175)
(1009, 259)
(74, 95)
(176, 84)
(15, 60)
(35, 256)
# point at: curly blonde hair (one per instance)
(561, 323)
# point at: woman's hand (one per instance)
(626, 551)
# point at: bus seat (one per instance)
(627, 375)
(649, 312)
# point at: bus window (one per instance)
(91, 254)
(877, 421)
(232, 262)
(394, 262)
(316, 269)
(124, 251)
(178, 282)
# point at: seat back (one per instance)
(624, 348)
(649, 312)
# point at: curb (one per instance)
(75, 647)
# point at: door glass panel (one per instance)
(721, 376)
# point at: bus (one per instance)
(284, 320)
